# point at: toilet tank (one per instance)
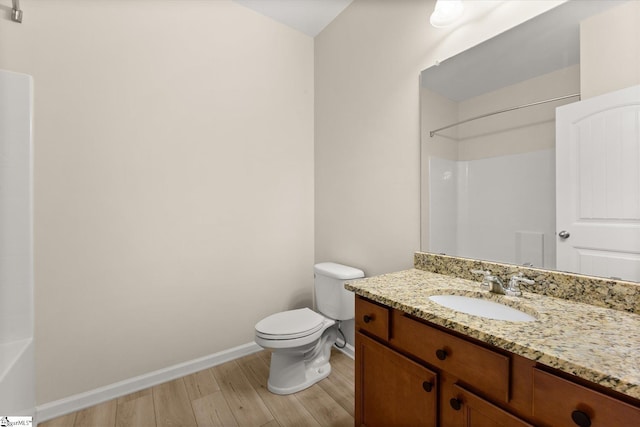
(332, 299)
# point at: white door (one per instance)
(598, 185)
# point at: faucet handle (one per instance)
(486, 279)
(517, 278)
(514, 284)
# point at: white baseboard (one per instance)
(349, 350)
(80, 401)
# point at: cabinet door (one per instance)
(473, 411)
(392, 390)
(558, 402)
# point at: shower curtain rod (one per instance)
(433, 132)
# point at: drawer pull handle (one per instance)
(581, 419)
(427, 386)
(456, 404)
(441, 354)
(367, 318)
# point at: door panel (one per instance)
(598, 185)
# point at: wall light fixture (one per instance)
(446, 13)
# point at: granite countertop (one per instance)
(601, 345)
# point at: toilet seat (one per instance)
(289, 325)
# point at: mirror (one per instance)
(488, 187)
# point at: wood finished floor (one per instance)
(232, 394)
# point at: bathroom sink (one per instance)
(482, 307)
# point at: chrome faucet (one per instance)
(494, 284)
(490, 282)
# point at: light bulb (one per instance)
(446, 12)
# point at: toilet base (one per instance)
(292, 371)
(311, 376)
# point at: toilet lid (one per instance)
(290, 324)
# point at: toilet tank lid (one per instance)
(337, 271)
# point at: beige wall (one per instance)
(173, 181)
(518, 131)
(174, 167)
(610, 50)
(495, 135)
(367, 132)
(437, 111)
(367, 122)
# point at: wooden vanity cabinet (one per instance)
(411, 373)
(395, 385)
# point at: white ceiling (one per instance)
(307, 16)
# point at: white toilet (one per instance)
(301, 340)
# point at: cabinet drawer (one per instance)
(470, 363)
(372, 318)
(558, 402)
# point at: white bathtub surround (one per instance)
(17, 383)
(494, 199)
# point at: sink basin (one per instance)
(482, 307)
